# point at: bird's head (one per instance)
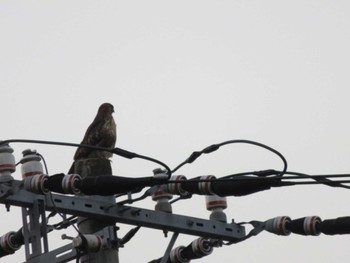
(105, 109)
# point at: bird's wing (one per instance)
(92, 137)
(99, 133)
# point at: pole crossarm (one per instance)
(12, 194)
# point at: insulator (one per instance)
(7, 244)
(160, 174)
(36, 183)
(176, 188)
(197, 249)
(278, 225)
(176, 257)
(91, 243)
(70, 184)
(31, 164)
(205, 187)
(307, 226)
(201, 247)
(215, 201)
(7, 161)
(216, 204)
(161, 192)
(162, 197)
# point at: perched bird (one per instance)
(101, 132)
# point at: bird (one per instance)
(101, 132)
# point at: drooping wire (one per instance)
(215, 147)
(117, 151)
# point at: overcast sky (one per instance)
(183, 75)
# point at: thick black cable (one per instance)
(215, 147)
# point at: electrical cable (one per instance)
(117, 151)
(215, 147)
(146, 194)
(321, 179)
(129, 235)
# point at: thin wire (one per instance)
(52, 200)
(215, 147)
(117, 151)
(323, 179)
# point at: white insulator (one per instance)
(175, 188)
(91, 243)
(162, 197)
(7, 161)
(215, 201)
(31, 164)
(69, 184)
(205, 187)
(216, 204)
(278, 225)
(36, 183)
(310, 225)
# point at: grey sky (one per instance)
(183, 75)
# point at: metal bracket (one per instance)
(34, 229)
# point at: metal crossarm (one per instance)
(95, 209)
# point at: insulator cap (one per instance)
(176, 257)
(31, 164)
(306, 226)
(201, 247)
(176, 188)
(161, 193)
(161, 196)
(70, 184)
(278, 225)
(215, 201)
(7, 160)
(36, 183)
(201, 188)
(159, 173)
(7, 244)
